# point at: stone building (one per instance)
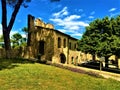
(51, 44)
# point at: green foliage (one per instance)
(1, 38)
(102, 37)
(18, 40)
(25, 29)
(91, 38)
(13, 3)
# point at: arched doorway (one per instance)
(62, 58)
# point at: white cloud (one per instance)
(24, 35)
(91, 17)
(68, 23)
(72, 17)
(92, 13)
(62, 30)
(76, 34)
(61, 13)
(114, 14)
(112, 9)
(73, 33)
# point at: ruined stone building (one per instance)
(51, 44)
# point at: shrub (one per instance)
(78, 70)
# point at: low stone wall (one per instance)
(2, 53)
(15, 53)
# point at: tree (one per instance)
(91, 37)
(102, 38)
(25, 29)
(104, 49)
(1, 41)
(15, 4)
(16, 40)
(115, 23)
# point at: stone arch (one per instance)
(62, 58)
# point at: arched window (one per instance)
(59, 42)
(64, 43)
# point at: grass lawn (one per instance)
(23, 75)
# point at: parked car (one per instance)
(92, 64)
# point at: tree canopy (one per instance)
(102, 38)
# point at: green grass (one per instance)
(24, 75)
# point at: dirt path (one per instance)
(102, 73)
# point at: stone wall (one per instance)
(41, 37)
(60, 50)
(15, 53)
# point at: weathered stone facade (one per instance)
(51, 44)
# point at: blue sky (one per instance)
(68, 16)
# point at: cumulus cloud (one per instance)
(112, 9)
(68, 23)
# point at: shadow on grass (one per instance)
(12, 63)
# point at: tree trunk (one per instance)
(116, 61)
(93, 57)
(106, 61)
(6, 33)
(6, 36)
